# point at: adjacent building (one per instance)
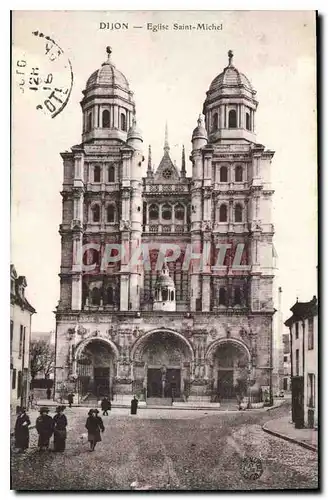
(193, 321)
(21, 313)
(303, 327)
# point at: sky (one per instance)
(169, 72)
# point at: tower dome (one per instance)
(230, 106)
(107, 105)
(199, 135)
(107, 75)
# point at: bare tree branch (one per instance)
(42, 358)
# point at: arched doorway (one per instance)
(163, 360)
(230, 361)
(95, 369)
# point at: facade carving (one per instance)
(179, 331)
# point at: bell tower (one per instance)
(230, 107)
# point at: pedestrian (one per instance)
(44, 427)
(106, 406)
(60, 424)
(22, 433)
(134, 405)
(94, 425)
(48, 393)
(31, 399)
(70, 399)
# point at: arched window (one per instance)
(95, 213)
(106, 119)
(110, 213)
(111, 173)
(237, 296)
(215, 122)
(172, 295)
(238, 213)
(95, 296)
(222, 296)
(223, 213)
(167, 212)
(239, 174)
(164, 294)
(223, 174)
(232, 118)
(179, 212)
(153, 212)
(89, 122)
(96, 173)
(123, 121)
(110, 295)
(248, 121)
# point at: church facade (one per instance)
(166, 280)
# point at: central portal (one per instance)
(163, 383)
(164, 365)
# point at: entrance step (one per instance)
(159, 402)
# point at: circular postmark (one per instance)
(44, 74)
(251, 467)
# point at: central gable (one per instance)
(166, 171)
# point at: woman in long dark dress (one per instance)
(94, 424)
(22, 434)
(60, 424)
(134, 405)
(44, 426)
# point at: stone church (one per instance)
(175, 325)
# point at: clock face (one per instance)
(167, 173)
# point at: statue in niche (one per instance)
(228, 333)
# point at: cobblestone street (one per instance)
(168, 449)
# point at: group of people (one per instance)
(47, 426)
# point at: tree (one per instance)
(42, 358)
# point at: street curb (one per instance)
(290, 439)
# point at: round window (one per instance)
(167, 173)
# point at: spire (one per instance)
(166, 140)
(183, 163)
(230, 55)
(149, 168)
